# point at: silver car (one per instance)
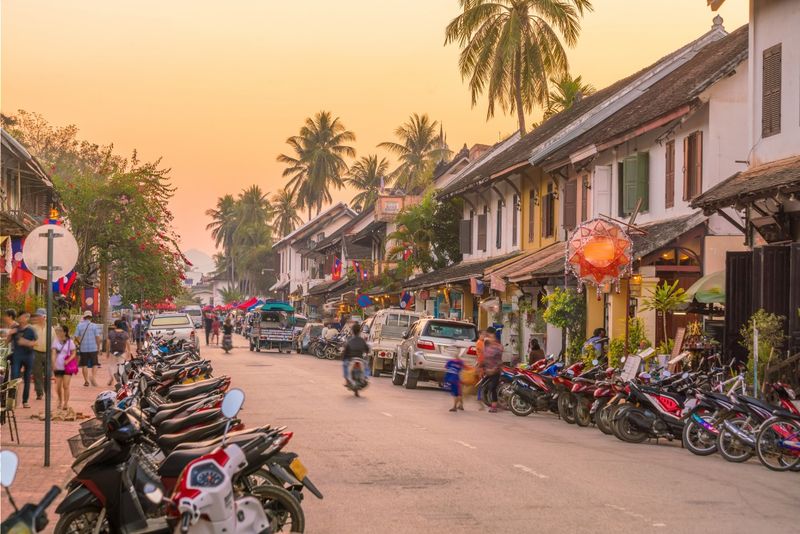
(428, 345)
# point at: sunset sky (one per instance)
(216, 87)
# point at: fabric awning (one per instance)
(547, 260)
(457, 272)
(710, 289)
(277, 286)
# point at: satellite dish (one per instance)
(65, 251)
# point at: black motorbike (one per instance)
(31, 518)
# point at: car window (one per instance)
(170, 321)
(412, 330)
(457, 331)
(316, 331)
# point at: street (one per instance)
(397, 461)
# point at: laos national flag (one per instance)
(20, 275)
(336, 268)
(406, 300)
(64, 284)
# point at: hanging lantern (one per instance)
(599, 253)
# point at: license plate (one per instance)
(298, 469)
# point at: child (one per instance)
(215, 324)
(452, 380)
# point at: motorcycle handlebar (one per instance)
(47, 500)
(186, 519)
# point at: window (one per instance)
(531, 213)
(482, 220)
(548, 211)
(669, 175)
(771, 92)
(571, 204)
(514, 220)
(465, 236)
(499, 230)
(585, 198)
(167, 321)
(457, 331)
(634, 183)
(692, 165)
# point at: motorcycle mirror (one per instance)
(595, 362)
(232, 403)
(9, 461)
(666, 374)
(622, 360)
(153, 493)
(685, 375)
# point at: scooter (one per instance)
(204, 499)
(31, 518)
(227, 343)
(358, 376)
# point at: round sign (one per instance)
(65, 251)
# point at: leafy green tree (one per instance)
(284, 212)
(566, 309)
(317, 160)
(510, 48)
(771, 337)
(420, 148)
(666, 298)
(230, 295)
(564, 93)
(365, 176)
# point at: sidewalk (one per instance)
(33, 479)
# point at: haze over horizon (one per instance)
(217, 88)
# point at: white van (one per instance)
(384, 333)
(196, 313)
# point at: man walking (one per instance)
(88, 338)
(24, 338)
(39, 325)
(208, 322)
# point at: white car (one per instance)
(196, 313)
(173, 326)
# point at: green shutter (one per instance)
(630, 184)
(643, 179)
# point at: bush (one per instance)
(616, 350)
(566, 309)
(770, 336)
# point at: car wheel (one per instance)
(410, 378)
(397, 378)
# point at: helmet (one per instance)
(104, 401)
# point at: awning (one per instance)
(457, 272)
(327, 286)
(277, 286)
(710, 289)
(660, 234)
(762, 181)
(545, 261)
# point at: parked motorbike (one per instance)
(31, 518)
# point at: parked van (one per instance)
(384, 332)
(196, 313)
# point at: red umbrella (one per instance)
(207, 308)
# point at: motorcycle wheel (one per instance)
(602, 418)
(629, 432)
(566, 407)
(282, 509)
(82, 521)
(504, 394)
(319, 352)
(331, 353)
(697, 439)
(769, 452)
(582, 415)
(731, 448)
(520, 406)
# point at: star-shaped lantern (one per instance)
(599, 253)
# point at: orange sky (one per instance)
(216, 87)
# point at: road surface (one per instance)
(397, 460)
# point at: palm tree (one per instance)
(317, 162)
(419, 150)
(284, 212)
(565, 92)
(223, 226)
(230, 295)
(367, 175)
(510, 48)
(253, 207)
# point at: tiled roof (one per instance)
(539, 262)
(454, 273)
(375, 227)
(659, 234)
(327, 286)
(679, 88)
(754, 183)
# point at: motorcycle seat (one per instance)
(167, 442)
(175, 461)
(780, 412)
(202, 417)
(185, 391)
(180, 404)
(213, 442)
(755, 402)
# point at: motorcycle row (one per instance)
(327, 348)
(708, 410)
(166, 452)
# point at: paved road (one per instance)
(398, 461)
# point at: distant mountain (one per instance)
(201, 261)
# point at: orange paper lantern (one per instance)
(599, 253)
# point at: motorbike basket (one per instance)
(91, 430)
(76, 445)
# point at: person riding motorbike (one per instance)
(355, 347)
(227, 334)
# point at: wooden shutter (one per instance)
(697, 176)
(686, 166)
(531, 215)
(630, 184)
(669, 175)
(482, 231)
(465, 236)
(514, 220)
(601, 190)
(771, 92)
(499, 229)
(584, 199)
(643, 180)
(571, 204)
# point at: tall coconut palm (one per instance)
(510, 48)
(253, 207)
(564, 93)
(317, 162)
(420, 148)
(223, 226)
(368, 176)
(284, 212)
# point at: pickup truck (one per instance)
(384, 333)
(173, 326)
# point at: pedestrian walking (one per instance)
(138, 329)
(215, 324)
(117, 349)
(65, 364)
(89, 341)
(23, 339)
(492, 364)
(452, 381)
(39, 325)
(479, 364)
(208, 322)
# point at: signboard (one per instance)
(65, 251)
(631, 368)
(679, 335)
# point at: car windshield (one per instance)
(170, 321)
(316, 331)
(194, 312)
(457, 331)
(398, 319)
